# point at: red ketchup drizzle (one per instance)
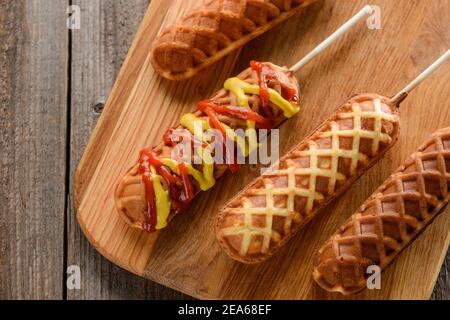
(184, 195)
(149, 224)
(188, 190)
(160, 168)
(209, 108)
(170, 139)
(174, 136)
(265, 73)
(180, 188)
(290, 93)
(243, 114)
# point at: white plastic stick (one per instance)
(424, 75)
(336, 35)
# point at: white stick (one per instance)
(336, 35)
(424, 75)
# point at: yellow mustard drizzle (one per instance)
(237, 86)
(162, 202)
(197, 127)
(206, 178)
(189, 122)
(240, 88)
(240, 140)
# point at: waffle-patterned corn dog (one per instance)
(265, 215)
(160, 185)
(211, 32)
(389, 220)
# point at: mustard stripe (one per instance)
(162, 201)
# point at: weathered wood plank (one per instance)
(98, 50)
(33, 92)
(442, 288)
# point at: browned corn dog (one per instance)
(211, 32)
(274, 207)
(389, 220)
(130, 194)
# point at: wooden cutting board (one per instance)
(142, 106)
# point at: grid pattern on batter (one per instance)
(212, 28)
(308, 176)
(388, 221)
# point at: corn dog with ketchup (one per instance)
(158, 187)
(163, 182)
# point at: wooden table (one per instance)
(53, 85)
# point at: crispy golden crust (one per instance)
(274, 207)
(216, 29)
(130, 193)
(389, 220)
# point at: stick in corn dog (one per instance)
(211, 32)
(162, 185)
(389, 220)
(274, 207)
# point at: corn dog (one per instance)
(274, 207)
(213, 31)
(390, 219)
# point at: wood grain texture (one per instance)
(33, 92)
(98, 50)
(186, 256)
